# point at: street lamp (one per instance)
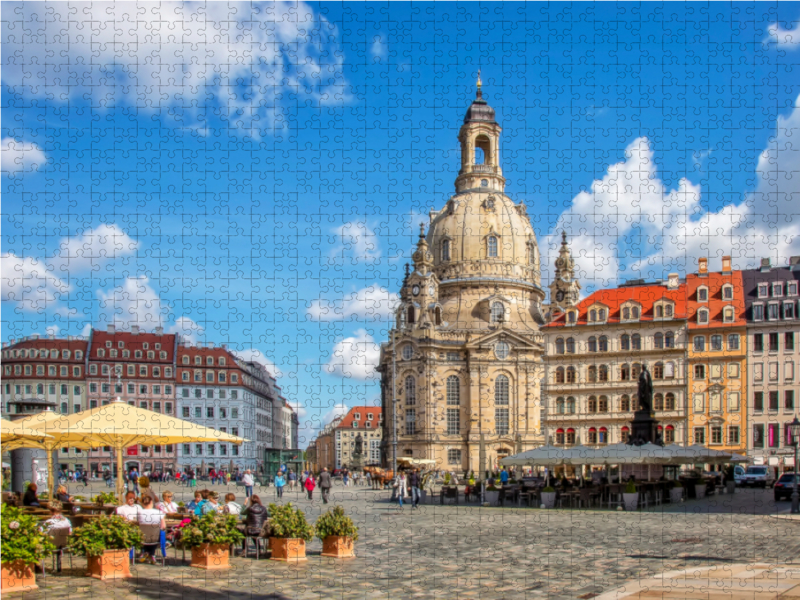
(794, 430)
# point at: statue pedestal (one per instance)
(643, 428)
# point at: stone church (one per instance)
(462, 371)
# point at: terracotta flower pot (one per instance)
(338, 546)
(288, 549)
(18, 576)
(112, 564)
(211, 556)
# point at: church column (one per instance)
(474, 414)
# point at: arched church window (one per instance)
(501, 390)
(531, 254)
(411, 314)
(437, 315)
(498, 312)
(411, 390)
(453, 391)
(445, 250)
(491, 246)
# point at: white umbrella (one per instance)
(544, 456)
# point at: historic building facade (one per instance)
(461, 374)
(594, 355)
(773, 359)
(365, 421)
(717, 358)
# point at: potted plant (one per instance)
(107, 542)
(447, 478)
(630, 496)
(337, 532)
(676, 493)
(548, 497)
(492, 495)
(24, 545)
(181, 507)
(106, 498)
(210, 538)
(289, 533)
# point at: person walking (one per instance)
(325, 483)
(292, 479)
(345, 477)
(414, 480)
(280, 481)
(504, 476)
(400, 488)
(248, 483)
(310, 485)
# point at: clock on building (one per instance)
(431, 290)
(415, 290)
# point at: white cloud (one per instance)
(355, 357)
(20, 156)
(87, 330)
(786, 39)
(358, 241)
(92, 247)
(253, 355)
(338, 410)
(373, 303)
(133, 303)
(52, 329)
(378, 47)
(30, 283)
(187, 329)
(243, 56)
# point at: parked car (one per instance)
(738, 474)
(784, 487)
(758, 475)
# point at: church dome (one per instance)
(484, 235)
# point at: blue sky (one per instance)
(255, 174)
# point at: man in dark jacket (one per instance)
(325, 484)
(414, 481)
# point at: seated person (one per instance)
(149, 515)
(30, 498)
(231, 506)
(62, 495)
(129, 510)
(167, 506)
(211, 504)
(198, 498)
(56, 520)
(255, 517)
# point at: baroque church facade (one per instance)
(461, 374)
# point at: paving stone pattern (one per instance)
(474, 552)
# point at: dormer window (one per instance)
(601, 314)
(777, 290)
(763, 290)
(357, 416)
(788, 310)
(758, 312)
(572, 317)
(773, 311)
(668, 311)
(791, 288)
(702, 294)
(630, 312)
(445, 250)
(369, 416)
(728, 315)
(727, 292)
(702, 316)
(491, 246)
(592, 316)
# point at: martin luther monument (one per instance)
(644, 427)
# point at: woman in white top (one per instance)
(129, 510)
(150, 516)
(167, 506)
(231, 506)
(401, 488)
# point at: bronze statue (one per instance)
(359, 445)
(645, 392)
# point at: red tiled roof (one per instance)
(613, 299)
(133, 342)
(350, 417)
(715, 304)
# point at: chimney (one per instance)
(134, 329)
(765, 265)
(726, 265)
(702, 266)
(673, 281)
(110, 329)
(159, 330)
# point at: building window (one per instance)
(570, 346)
(185, 412)
(773, 401)
(602, 344)
(791, 288)
(702, 316)
(453, 391)
(592, 435)
(602, 405)
(454, 457)
(788, 400)
(411, 421)
(669, 402)
(603, 373)
(625, 342)
(453, 421)
(699, 403)
(758, 435)
(699, 342)
(592, 374)
(716, 343)
(501, 390)
(763, 290)
(571, 375)
(702, 294)
(636, 341)
(498, 312)
(658, 370)
(773, 311)
(699, 435)
(758, 312)
(773, 342)
(491, 247)
(727, 292)
(788, 341)
(699, 371)
(658, 341)
(716, 435)
(774, 435)
(758, 342)
(445, 250)
(501, 421)
(728, 315)
(602, 436)
(560, 346)
(411, 390)
(669, 435)
(777, 290)
(625, 403)
(592, 404)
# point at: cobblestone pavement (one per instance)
(475, 552)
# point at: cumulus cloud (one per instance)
(378, 47)
(373, 303)
(29, 283)
(631, 213)
(20, 156)
(338, 410)
(92, 247)
(133, 303)
(235, 60)
(355, 357)
(187, 329)
(357, 241)
(786, 39)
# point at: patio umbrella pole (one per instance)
(118, 452)
(50, 476)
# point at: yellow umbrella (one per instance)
(14, 436)
(120, 425)
(42, 425)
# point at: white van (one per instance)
(758, 475)
(738, 474)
